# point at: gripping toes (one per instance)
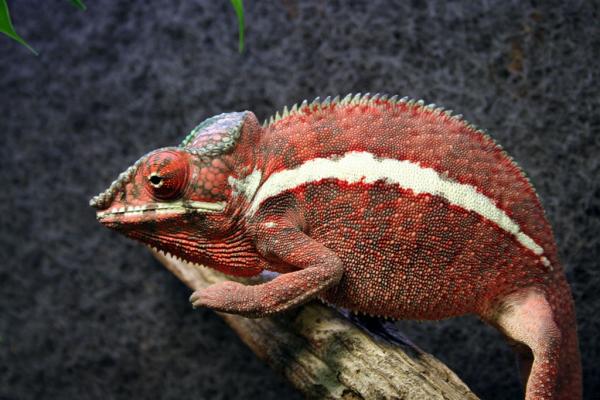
(231, 297)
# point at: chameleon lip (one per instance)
(168, 208)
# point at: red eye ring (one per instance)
(167, 174)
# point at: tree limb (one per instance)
(325, 356)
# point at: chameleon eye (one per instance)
(167, 175)
(155, 180)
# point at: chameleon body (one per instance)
(381, 205)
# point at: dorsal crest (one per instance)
(362, 99)
(215, 135)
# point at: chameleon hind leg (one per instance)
(526, 318)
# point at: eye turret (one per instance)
(167, 174)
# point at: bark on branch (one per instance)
(325, 356)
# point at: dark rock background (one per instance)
(85, 313)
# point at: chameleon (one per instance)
(381, 205)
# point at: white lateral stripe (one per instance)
(363, 167)
(246, 186)
(207, 206)
(171, 207)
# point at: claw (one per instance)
(195, 298)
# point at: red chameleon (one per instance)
(384, 206)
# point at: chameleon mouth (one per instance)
(174, 208)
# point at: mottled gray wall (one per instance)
(85, 313)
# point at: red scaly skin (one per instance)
(382, 206)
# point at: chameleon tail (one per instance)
(569, 384)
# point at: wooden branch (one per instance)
(325, 356)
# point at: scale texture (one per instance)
(80, 306)
(382, 206)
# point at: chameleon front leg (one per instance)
(319, 268)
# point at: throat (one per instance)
(233, 254)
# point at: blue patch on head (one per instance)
(215, 135)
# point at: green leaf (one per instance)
(79, 4)
(7, 28)
(238, 5)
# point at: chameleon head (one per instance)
(178, 199)
(170, 199)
